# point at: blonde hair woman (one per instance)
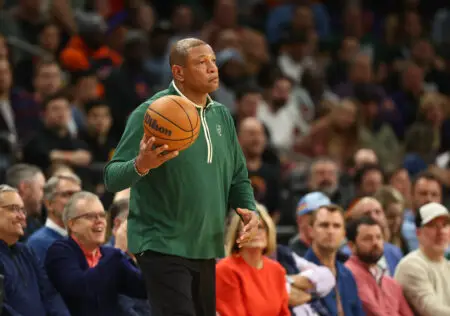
(393, 205)
(247, 281)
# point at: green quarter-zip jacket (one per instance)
(180, 207)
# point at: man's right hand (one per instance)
(151, 158)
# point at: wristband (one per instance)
(137, 171)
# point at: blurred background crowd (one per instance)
(347, 99)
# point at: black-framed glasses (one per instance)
(14, 208)
(91, 216)
(65, 194)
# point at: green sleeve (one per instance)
(241, 191)
(119, 172)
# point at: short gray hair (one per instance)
(4, 188)
(18, 173)
(52, 183)
(180, 50)
(71, 209)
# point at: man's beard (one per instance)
(369, 258)
(327, 188)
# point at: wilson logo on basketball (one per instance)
(154, 125)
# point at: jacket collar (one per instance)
(173, 89)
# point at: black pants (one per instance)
(178, 286)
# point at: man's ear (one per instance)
(178, 73)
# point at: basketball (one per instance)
(173, 121)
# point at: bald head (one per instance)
(180, 50)
(369, 206)
(250, 124)
(365, 156)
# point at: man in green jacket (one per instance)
(179, 201)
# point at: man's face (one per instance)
(371, 182)
(324, 177)
(402, 183)
(57, 113)
(248, 105)
(435, 236)
(89, 224)
(48, 80)
(200, 71)
(328, 230)
(281, 92)
(49, 38)
(63, 192)
(368, 245)
(33, 193)
(426, 191)
(12, 216)
(371, 208)
(99, 119)
(87, 89)
(5, 76)
(252, 138)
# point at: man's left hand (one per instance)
(251, 222)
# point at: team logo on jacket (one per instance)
(219, 129)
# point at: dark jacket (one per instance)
(351, 303)
(27, 288)
(92, 291)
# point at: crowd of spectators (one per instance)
(342, 111)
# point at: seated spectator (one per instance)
(368, 179)
(118, 212)
(130, 84)
(393, 206)
(304, 276)
(369, 206)
(29, 182)
(90, 276)
(19, 114)
(305, 208)
(27, 290)
(328, 232)
(380, 295)
(57, 192)
(53, 143)
(247, 281)
(98, 135)
(424, 273)
(426, 188)
(265, 178)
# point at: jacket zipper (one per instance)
(204, 123)
(207, 135)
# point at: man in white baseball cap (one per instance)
(424, 274)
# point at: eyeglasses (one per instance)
(90, 216)
(14, 208)
(66, 194)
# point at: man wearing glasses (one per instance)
(90, 276)
(57, 192)
(27, 290)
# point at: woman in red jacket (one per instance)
(248, 283)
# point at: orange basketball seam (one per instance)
(171, 139)
(168, 120)
(187, 115)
